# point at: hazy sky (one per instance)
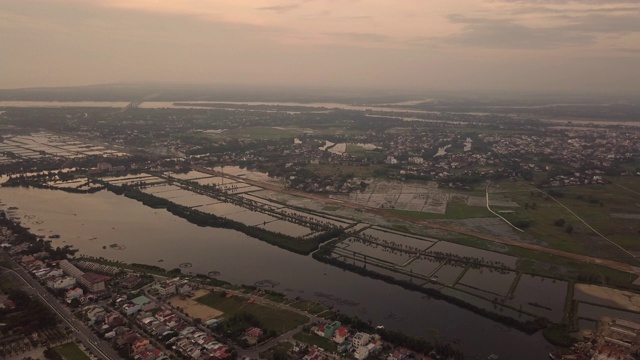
(561, 45)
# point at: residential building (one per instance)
(360, 339)
(74, 294)
(330, 329)
(66, 282)
(93, 282)
(361, 353)
(340, 335)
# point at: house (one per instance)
(130, 282)
(361, 339)
(130, 309)
(139, 345)
(140, 300)
(399, 354)
(314, 354)
(27, 259)
(113, 319)
(340, 335)
(127, 339)
(95, 313)
(184, 288)
(330, 329)
(345, 347)
(361, 353)
(74, 294)
(375, 345)
(254, 332)
(104, 166)
(320, 330)
(65, 282)
(165, 289)
(149, 306)
(93, 282)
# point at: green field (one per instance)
(455, 210)
(278, 352)
(598, 205)
(260, 132)
(314, 339)
(71, 351)
(359, 171)
(544, 264)
(6, 282)
(309, 306)
(271, 318)
(359, 151)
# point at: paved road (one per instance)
(99, 347)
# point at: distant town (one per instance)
(522, 218)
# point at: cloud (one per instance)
(282, 8)
(506, 34)
(546, 10)
(359, 36)
(570, 2)
(604, 24)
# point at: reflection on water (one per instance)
(90, 222)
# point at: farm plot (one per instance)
(540, 296)
(286, 228)
(484, 256)
(449, 273)
(424, 266)
(400, 240)
(489, 280)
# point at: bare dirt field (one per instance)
(625, 299)
(195, 309)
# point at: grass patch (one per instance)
(455, 210)
(309, 306)
(141, 268)
(260, 132)
(280, 352)
(596, 204)
(544, 264)
(330, 208)
(71, 351)
(314, 339)
(359, 151)
(359, 171)
(6, 283)
(275, 319)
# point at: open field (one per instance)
(625, 300)
(319, 341)
(355, 170)
(261, 132)
(309, 306)
(71, 351)
(358, 150)
(195, 309)
(599, 206)
(455, 210)
(275, 319)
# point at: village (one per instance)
(156, 315)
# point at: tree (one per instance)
(569, 229)
(559, 222)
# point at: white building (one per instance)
(65, 282)
(361, 353)
(361, 339)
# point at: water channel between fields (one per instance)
(90, 222)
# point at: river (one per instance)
(91, 221)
